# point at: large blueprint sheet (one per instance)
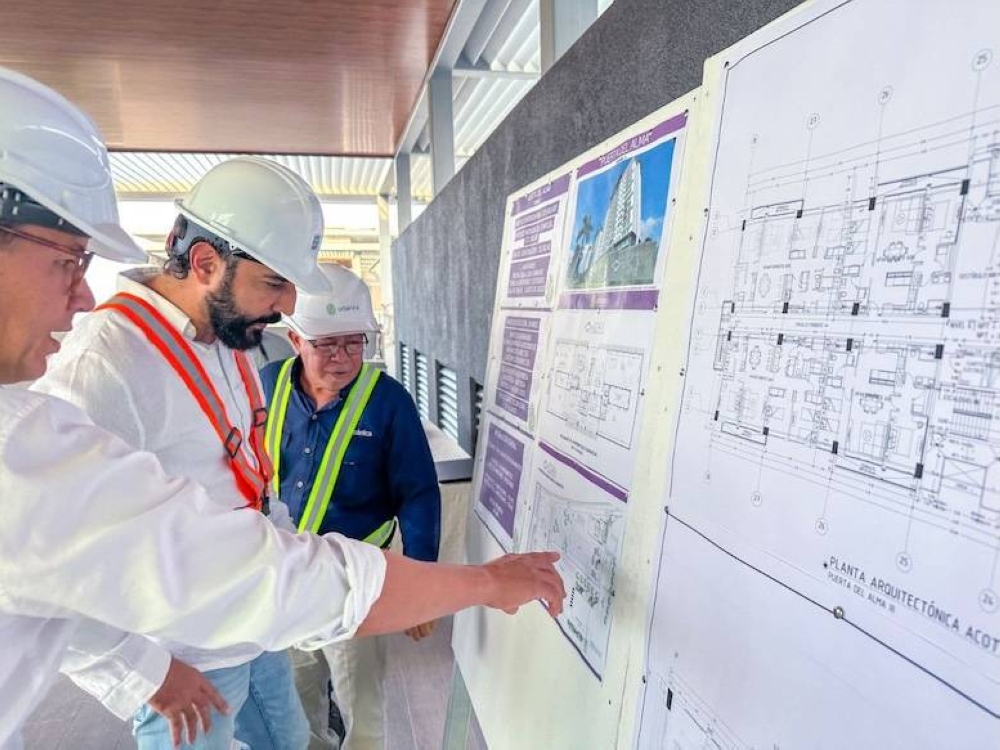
(839, 440)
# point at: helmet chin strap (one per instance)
(18, 208)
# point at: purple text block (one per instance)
(547, 192)
(531, 251)
(533, 230)
(634, 143)
(536, 216)
(511, 404)
(527, 278)
(515, 381)
(520, 344)
(502, 468)
(617, 299)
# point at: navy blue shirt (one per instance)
(387, 472)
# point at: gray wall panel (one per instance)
(639, 56)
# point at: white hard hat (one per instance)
(52, 153)
(266, 210)
(345, 309)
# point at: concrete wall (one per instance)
(637, 57)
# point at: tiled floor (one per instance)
(419, 685)
(418, 688)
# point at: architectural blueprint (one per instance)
(602, 330)
(575, 513)
(569, 359)
(839, 435)
(597, 366)
(598, 343)
(743, 663)
(596, 389)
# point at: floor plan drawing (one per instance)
(903, 412)
(692, 723)
(739, 661)
(586, 526)
(840, 420)
(595, 389)
(591, 402)
(858, 347)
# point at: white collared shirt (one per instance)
(109, 369)
(93, 529)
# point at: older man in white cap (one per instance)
(351, 457)
(94, 529)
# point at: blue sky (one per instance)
(594, 192)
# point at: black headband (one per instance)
(18, 208)
(187, 233)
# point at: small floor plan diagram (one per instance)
(587, 528)
(596, 389)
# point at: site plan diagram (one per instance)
(575, 514)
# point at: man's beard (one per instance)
(230, 326)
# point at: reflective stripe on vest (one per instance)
(251, 482)
(333, 457)
(276, 421)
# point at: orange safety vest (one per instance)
(252, 482)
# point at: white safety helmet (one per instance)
(267, 211)
(54, 162)
(345, 309)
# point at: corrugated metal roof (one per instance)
(506, 41)
(504, 52)
(420, 176)
(520, 17)
(486, 105)
(141, 173)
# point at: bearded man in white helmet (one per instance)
(350, 456)
(96, 531)
(163, 366)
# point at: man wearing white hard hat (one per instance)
(94, 530)
(350, 456)
(164, 365)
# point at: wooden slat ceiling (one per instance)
(296, 77)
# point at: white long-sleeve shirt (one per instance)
(109, 369)
(93, 529)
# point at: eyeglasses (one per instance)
(82, 257)
(330, 348)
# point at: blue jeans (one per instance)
(272, 717)
(264, 710)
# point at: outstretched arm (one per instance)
(417, 592)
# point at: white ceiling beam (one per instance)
(516, 10)
(456, 34)
(484, 28)
(561, 23)
(404, 197)
(442, 128)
